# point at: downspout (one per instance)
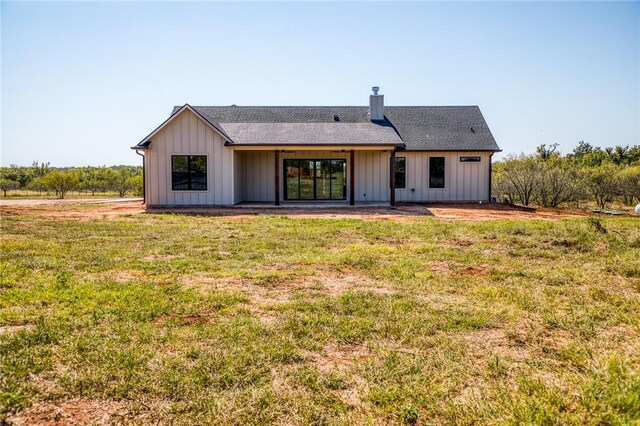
(490, 175)
(392, 178)
(144, 184)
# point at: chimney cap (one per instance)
(375, 89)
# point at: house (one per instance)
(225, 155)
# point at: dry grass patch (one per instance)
(10, 329)
(338, 356)
(123, 276)
(334, 283)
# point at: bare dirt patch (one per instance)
(71, 211)
(493, 342)
(89, 210)
(474, 270)
(479, 212)
(440, 266)
(123, 276)
(89, 412)
(338, 357)
(335, 284)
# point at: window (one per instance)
(401, 172)
(189, 172)
(436, 172)
(469, 159)
(315, 179)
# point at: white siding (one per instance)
(462, 182)
(188, 134)
(235, 176)
(372, 176)
(258, 176)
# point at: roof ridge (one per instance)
(329, 106)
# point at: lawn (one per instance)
(265, 319)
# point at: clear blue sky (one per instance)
(81, 82)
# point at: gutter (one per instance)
(144, 184)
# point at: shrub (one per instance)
(61, 182)
(603, 184)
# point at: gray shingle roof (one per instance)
(428, 128)
(311, 134)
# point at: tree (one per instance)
(120, 182)
(8, 185)
(135, 183)
(517, 179)
(558, 183)
(618, 155)
(37, 184)
(603, 184)
(594, 158)
(61, 181)
(634, 155)
(630, 184)
(581, 150)
(39, 169)
(545, 153)
(17, 174)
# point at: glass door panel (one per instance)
(315, 179)
(323, 179)
(306, 179)
(338, 180)
(292, 188)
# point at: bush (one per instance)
(558, 182)
(8, 185)
(516, 179)
(630, 184)
(61, 182)
(603, 184)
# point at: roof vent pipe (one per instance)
(376, 105)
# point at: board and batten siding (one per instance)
(258, 175)
(187, 134)
(462, 181)
(372, 176)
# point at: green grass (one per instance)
(203, 320)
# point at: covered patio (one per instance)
(305, 176)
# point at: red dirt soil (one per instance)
(82, 210)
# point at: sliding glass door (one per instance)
(315, 179)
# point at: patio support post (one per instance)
(392, 178)
(277, 181)
(352, 178)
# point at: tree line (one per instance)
(550, 179)
(44, 179)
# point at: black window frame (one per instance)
(433, 180)
(403, 173)
(470, 159)
(342, 161)
(190, 173)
